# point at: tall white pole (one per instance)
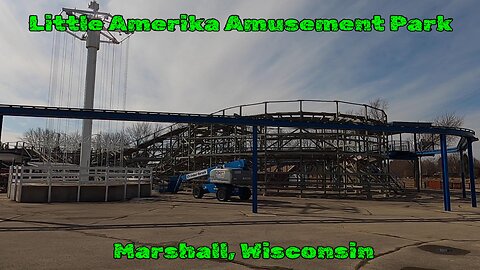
(93, 45)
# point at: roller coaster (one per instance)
(299, 147)
(321, 161)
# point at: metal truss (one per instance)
(292, 160)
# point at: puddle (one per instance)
(444, 250)
(417, 268)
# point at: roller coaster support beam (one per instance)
(416, 164)
(473, 193)
(446, 185)
(1, 127)
(158, 117)
(462, 174)
(254, 169)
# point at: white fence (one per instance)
(69, 175)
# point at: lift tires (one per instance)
(245, 193)
(223, 194)
(198, 192)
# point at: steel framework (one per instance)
(361, 128)
(319, 161)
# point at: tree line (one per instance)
(432, 167)
(44, 138)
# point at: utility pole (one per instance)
(92, 40)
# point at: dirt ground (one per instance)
(410, 233)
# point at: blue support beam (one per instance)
(436, 152)
(159, 117)
(462, 175)
(254, 170)
(1, 127)
(416, 164)
(473, 192)
(446, 185)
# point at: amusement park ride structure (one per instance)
(92, 40)
(320, 152)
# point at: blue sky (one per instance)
(421, 75)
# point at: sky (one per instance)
(421, 75)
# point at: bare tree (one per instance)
(401, 168)
(140, 130)
(429, 167)
(41, 138)
(380, 104)
(71, 142)
(454, 164)
(448, 119)
(110, 141)
(430, 141)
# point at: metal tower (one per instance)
(92, 40)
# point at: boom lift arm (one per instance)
(225, 180)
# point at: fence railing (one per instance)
(13, 145)
(336, 107)
(69, 175)
(399, 146)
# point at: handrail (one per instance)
(71, 173)
(300, 101)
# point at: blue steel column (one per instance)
(462, 175)
(254, 169)
(473, 193)
(1, 128)
(446, 185)
(416, 163)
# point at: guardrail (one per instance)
(69, 175)
(399, 146)
(335, 107)
(306, 105)
(13, 145)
